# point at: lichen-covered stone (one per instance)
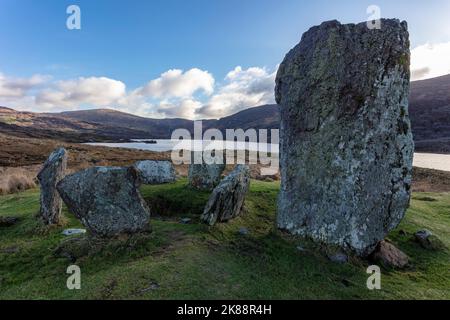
(155, 172)
(227, 199)
(205, 176)
(346, 142)
(106, 200)
(51, 173)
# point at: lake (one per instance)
(421, 160)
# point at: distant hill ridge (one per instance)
(429, 111)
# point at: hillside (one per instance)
(429, 111)
(429, 107)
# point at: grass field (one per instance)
(194, 261)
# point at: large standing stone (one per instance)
(227, 199)
(346, 142)
(51, 173)
(204, 176)
(106, 200)
(155, 172)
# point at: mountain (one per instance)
(429, 109)
(429, 112)
(141, 127)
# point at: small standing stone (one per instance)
(53, 171)
(204, 176)
(155, 172)
(227, 199)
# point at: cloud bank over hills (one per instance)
(176, 93)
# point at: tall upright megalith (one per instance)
(346, 142)
(52, 172)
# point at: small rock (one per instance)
(155, 172)
(153, 286)
(185, 220)
(243, 231)
(69, 232)
(8, 221)
(389, 255)
(338, 257)
(427, 240)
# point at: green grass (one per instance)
(195, 261)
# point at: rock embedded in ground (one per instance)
(204, 176)
(346, 142)
(106, 200)
(338, 257)
(8, 221)
(427, 240)
(185, 220)
(155, 172)
(52, 172)
(70, 232)
(390, 256)
(243, 231)
(227, 199)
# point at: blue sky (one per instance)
(132, 43)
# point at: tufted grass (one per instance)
(194, 261)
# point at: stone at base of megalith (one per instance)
(346, 142)
(52, 172)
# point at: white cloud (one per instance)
(175, 94)
(180, 109)
(175, 83)
(430, 60)
(96, 91)
(244, 88)
(18, 87)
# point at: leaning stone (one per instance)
(227, 199)
(106, 200)
(155, 172)
(53, 171)
(346, 142)
(390, 256)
